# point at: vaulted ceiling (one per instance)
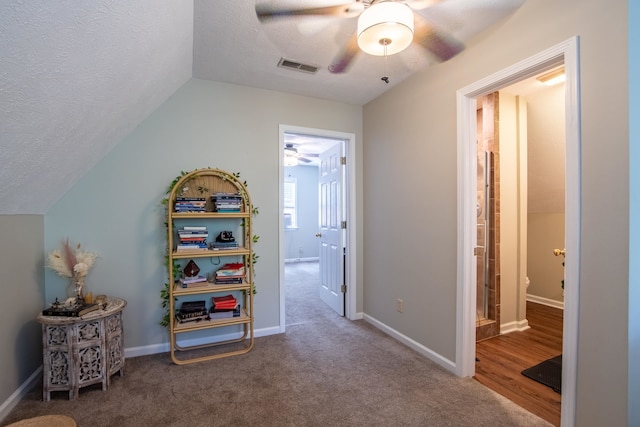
(78, 77)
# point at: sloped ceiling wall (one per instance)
(75, 78)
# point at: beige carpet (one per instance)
(324, 371)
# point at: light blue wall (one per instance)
(302, 243)
(634, 215)
(116, 208)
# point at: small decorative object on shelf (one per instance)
(73, 264)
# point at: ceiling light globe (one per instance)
(290, 161)
(387, 24)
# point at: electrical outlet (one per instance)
(399, 305)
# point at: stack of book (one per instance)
(221, 246)
(224, 307)
(192, 238)
(76, 310)
(192, 311)
(230, 273)
(224, 314)
(227, 202)
(190, 204)
(193, 282)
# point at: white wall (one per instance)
(512, 272)
(546, 118)
(546, 232)
(116, 208)
(410, 152)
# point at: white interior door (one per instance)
(331, 233)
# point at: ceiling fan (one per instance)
(290, 151)
(384, 27)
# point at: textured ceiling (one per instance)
(232, 45)
(76, 77)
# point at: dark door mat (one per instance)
(548, 373)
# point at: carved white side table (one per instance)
(81, 351)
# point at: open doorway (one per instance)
(565, 53)
(521, 172)
(316, 210)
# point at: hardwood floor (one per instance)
(500, 361)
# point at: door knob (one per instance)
(558, 252)
(318, 234)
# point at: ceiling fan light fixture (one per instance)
(385, 28)
(290, 161)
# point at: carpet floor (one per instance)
(325, 370)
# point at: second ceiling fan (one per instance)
(291, 151)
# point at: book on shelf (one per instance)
(215, 314)
(193, 285)
(193, 279)
(190, 317)
(228, 280)
(74, 311)
(190, 232)
(191, 248)
(194, 228)
(191, 314)
(191, 199)
(193, 306)
(230, 308)
(230, 273)
(193, 282)
(192, 241)
(227, 202)
(224, 302)
(225, 245)
(231, 269)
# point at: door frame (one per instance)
(566, 52)
(349, 186)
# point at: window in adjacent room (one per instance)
(290, 200)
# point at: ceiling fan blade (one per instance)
(342, 61)
(421, 4)
(304, 160)
(266, 11)
(440, 44)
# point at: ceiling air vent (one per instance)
(293, 65)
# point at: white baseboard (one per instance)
(428, 353)
(17, 395)
(546, 301)
(515, 326)
(164, 347)
(292, 260)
